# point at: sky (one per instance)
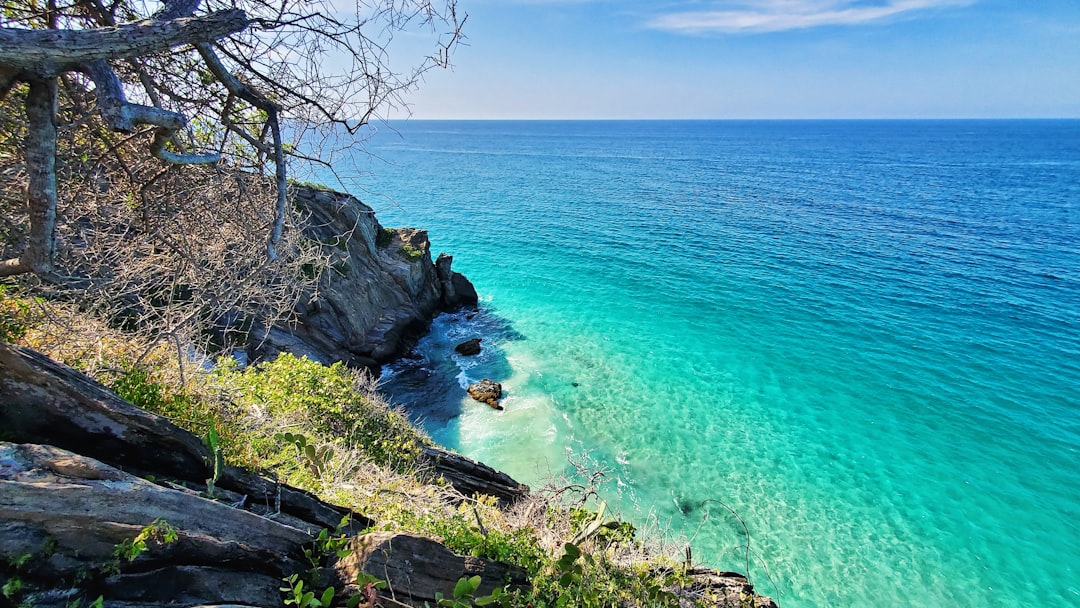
(636, 59)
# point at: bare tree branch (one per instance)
(167, 248)
(241, 90)
(48, 52)
(124, 116)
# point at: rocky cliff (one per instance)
(380, 292)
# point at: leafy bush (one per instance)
(411, 253)
(384, 237)
(16, 315)
(331, 402)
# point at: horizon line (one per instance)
(741, 119)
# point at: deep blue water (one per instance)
(862, 336)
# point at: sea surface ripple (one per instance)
(863, 337)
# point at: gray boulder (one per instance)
(417, 568)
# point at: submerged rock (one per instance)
(469, 347)
(487, 391)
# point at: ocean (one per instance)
(861, 336)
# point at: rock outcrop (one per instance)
(711, 588)
(417, 568)
(380, 293)
(469, 348)
(486, 391)
(458, 292)
(471, 477)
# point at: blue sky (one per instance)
(760, 59)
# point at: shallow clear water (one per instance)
(864, 337)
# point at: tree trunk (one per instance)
(41, 190)
(41, 166)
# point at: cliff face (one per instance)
(381, 290)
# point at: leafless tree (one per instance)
(145, 147)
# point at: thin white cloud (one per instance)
(781, 15)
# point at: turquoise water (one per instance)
(864, 337)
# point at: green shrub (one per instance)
(329, 401)
(411, 253)
(16, 315)
(384, 237)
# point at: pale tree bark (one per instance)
(40, 154)
(43, 51)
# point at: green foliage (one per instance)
(411, 253)
(384, 237)
(190, 410)
(212, 440)
(16, 315)
(460, 533)
(587, 524)
(326, 546)
(316, 458)
(295, 595)
(587, 580)
(369, 589)
(329, 403)
(136, 386)
(159, 532)
(12, 587)
(464, 595)
(329, 544)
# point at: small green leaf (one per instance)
(461, 589)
